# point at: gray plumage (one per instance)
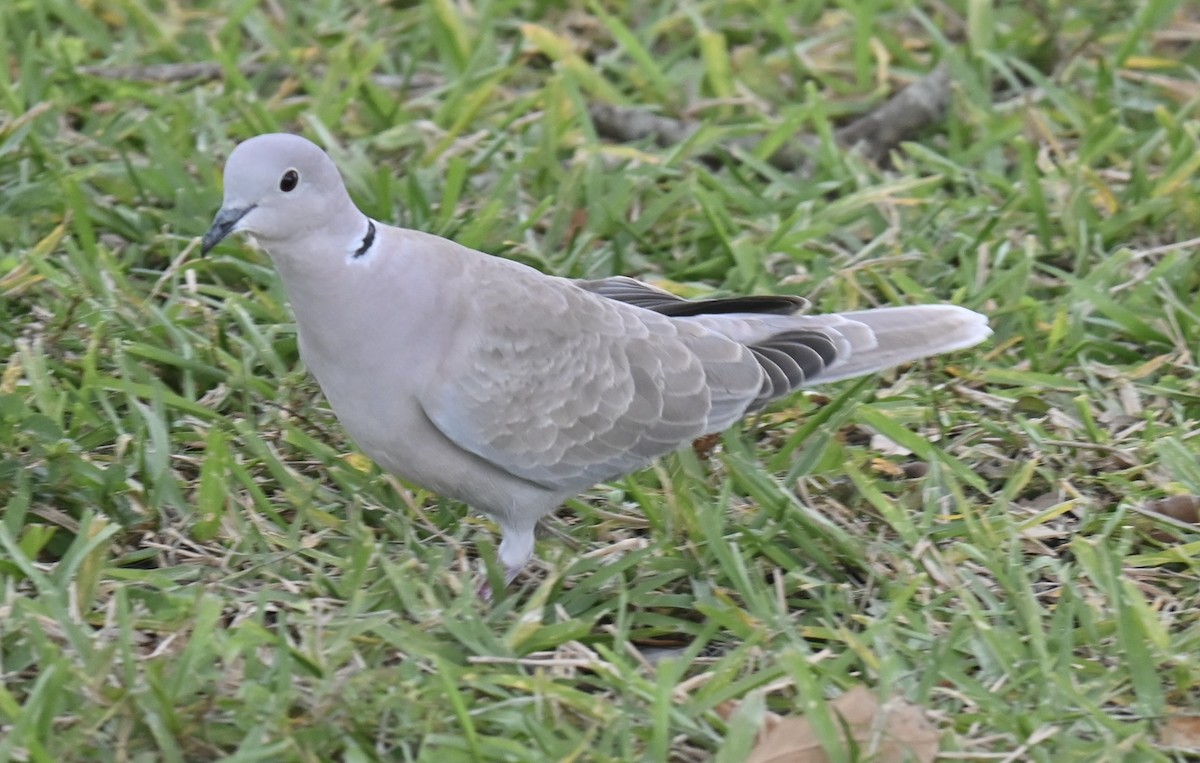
(489, 382)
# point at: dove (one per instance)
(491, 383)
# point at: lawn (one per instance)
(196, 564)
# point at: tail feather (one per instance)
(903, 334)
(801, 350)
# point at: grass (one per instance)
(197, 564)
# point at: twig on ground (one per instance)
(873, 135)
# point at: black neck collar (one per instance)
(368, 239)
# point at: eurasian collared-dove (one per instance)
(489, 382)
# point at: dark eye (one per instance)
(289, 181)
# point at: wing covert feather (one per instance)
(577, 391)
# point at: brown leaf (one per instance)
(1185, 508)
(1181, 731)
(578, 222)
(893, 732)
(703, 446)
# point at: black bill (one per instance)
(222, 226)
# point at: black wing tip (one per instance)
(790, 360)
(761, 304)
